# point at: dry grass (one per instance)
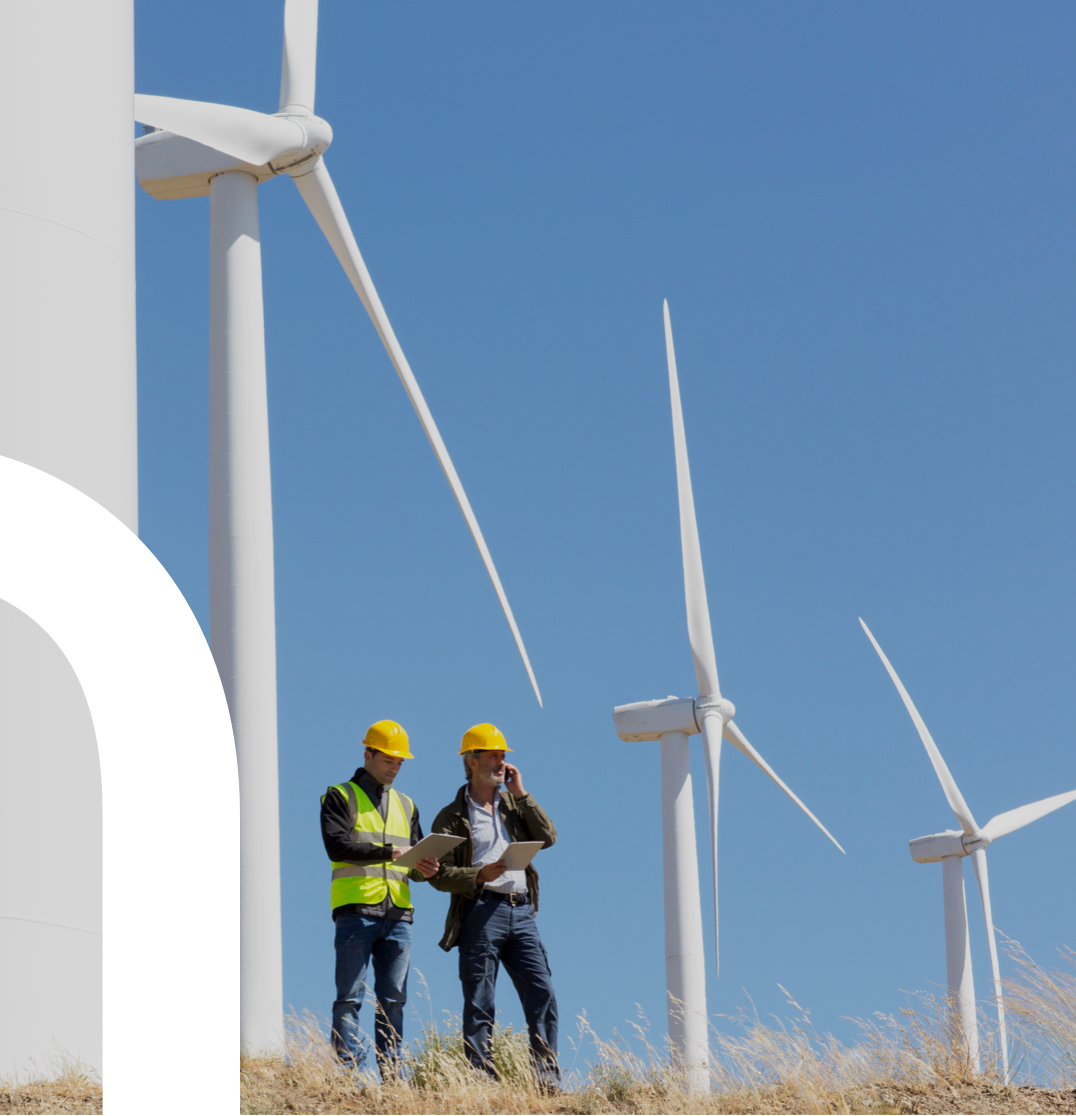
(68, 1087)
(1041, 1006)
(902, 1064)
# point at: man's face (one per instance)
(382, 767)
(488, 768)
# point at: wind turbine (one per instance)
(672, 721)
(950, 847)
(226, 152)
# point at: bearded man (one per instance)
(491, 918)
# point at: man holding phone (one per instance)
(491, 916)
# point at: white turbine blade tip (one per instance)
(737, 739)
(320, 195)
(699, 632)
(948, 783)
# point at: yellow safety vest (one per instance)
(369, 883)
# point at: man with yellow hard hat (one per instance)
(491, 916)
(366, 824)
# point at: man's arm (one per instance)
(338, 833)
(456, 875)
(536, 821)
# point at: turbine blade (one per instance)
(711, 744)
(298, 69)
(1024, 815)
(698, 613)
(978, 861)
(952, 791)
(253, 137)
(738, 740)
(320, 195)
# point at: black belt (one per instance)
(516, 898)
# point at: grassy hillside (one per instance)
(903, 1064)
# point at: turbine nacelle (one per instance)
(171, 166)
(953, 842)
(651, 720)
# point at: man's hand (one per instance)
(491, 872)
(428, 866)
(514, 781)
(398, 852)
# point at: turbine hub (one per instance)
(719, 705)
(318, 136)
(170, 166)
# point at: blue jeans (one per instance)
(495, 932)
(387, 942)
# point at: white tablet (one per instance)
(519, 854)
(436, 845)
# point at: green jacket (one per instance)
(524, 820)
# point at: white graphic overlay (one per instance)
(171, 879)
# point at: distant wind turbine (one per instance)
(950, 847)
(672, 721)
(226, 152)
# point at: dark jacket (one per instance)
(523, 819)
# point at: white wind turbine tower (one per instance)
(950, 847)
(68, 406)
(226, 152)
(672, 721)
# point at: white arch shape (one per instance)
(171, 896)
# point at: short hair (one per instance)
(466, 765)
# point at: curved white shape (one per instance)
(49, 753)
(67, 406)
(171, 906)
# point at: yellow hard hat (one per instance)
(484, 738)
(388, 737)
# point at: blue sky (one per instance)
(862, 218)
